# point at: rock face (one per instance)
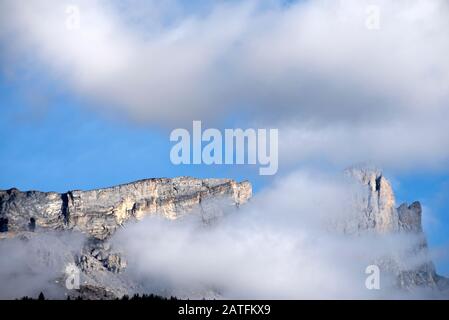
(379, 214)
(378, 206)
(100, 212)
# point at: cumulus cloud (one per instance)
(400, 145)
(312, 68)
(278, 246)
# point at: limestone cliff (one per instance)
(377, 212)
(100, 212)
(376, 205)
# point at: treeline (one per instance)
(135, 297)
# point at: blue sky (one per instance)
(58, 144)
(93, 106)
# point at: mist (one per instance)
(285, 244)
(298, 239)
(35, 262)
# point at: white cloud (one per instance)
(33, 263)
(381, 93)
(283, 244)
(277, 246)
(398, 145)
